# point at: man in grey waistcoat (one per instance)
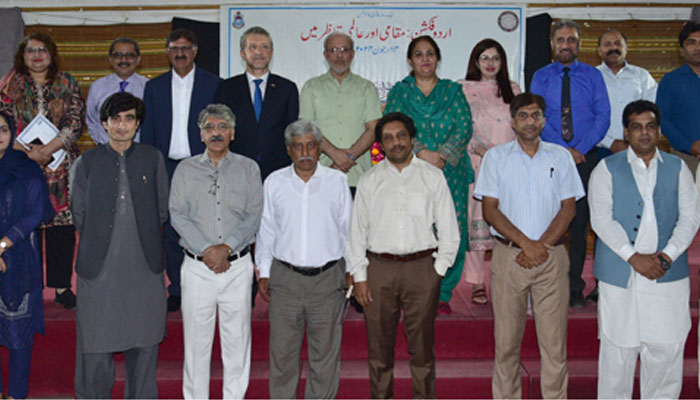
(645, 211)
(122, 304)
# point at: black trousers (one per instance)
(60, 248)
(578, 229)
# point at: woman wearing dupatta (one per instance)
(443, 119)
(24, 204)
(489, 92)
(37, 86)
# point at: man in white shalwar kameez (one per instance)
(645, 211)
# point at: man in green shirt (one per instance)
(345, 106)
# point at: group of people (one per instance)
(206, 179)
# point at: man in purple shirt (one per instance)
(124, 57)
(578, 117)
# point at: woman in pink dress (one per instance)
(489, 92)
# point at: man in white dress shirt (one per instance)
(645, 211)
(625, 83)
(299, 253)
(529, 189)
(124, 58)
(403, 238)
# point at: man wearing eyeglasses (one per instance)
(215, 206)
(264, 104)
(578, 117)
(173, 102)
(124, 57)
(529, 189)
(345, 106)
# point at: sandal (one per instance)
(479, 295)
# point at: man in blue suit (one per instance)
(264, 104)
(173, 102)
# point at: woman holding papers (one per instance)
(36, 86)
(24, 203)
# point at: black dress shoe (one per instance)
(593, 296)
(66, 299)
(576, 300)
(174, 303)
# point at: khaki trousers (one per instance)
(548, 286)
(414, 288)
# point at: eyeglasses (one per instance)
(339, 50)
(128, 56)
(484, 58)
(209, 128)
(262, 47)
(35, 50)
(523, 116)
(179, 49)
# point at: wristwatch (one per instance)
(664, 263)
(3, 245)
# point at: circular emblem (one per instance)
(508, 21)
(238, 21)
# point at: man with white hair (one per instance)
(299, 250)
(345, 106)
(215, 207)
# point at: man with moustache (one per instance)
(645, 212)
(124, 57)
(529, 188)
(299, 250)
(119, 200)
(578, 117)
(215, 205)
(264, 104)
(345, 106)
(403, 238)
(678, 99)
(625, 83)
(173, 102)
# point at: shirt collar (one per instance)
(605, 67)
(517, 148)
(318, 173)
(251, 78)
(205, 157)
(188, 79)
(560, 67)
(632, 156)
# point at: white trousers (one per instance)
(660, 375)
(203, 292)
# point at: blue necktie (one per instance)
(122, 85)
(257, 101)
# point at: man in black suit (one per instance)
(173, 102)
(264, 104)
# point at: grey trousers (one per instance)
(94, 374)
(312, 302)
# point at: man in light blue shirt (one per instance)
(529, 189)
(124, 57)
(586, 120)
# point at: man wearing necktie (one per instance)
(264, 104)
(124, 57)
(578, 116)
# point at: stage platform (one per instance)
(464, 349)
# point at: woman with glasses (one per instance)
(36, 86)
(489, 92)
(444, 124)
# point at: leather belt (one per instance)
(230, 258)
(403, 258)
(309, 271)
(563, 240)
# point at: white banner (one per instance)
(381, 36)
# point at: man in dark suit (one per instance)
(264, 104)
(173, 102)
